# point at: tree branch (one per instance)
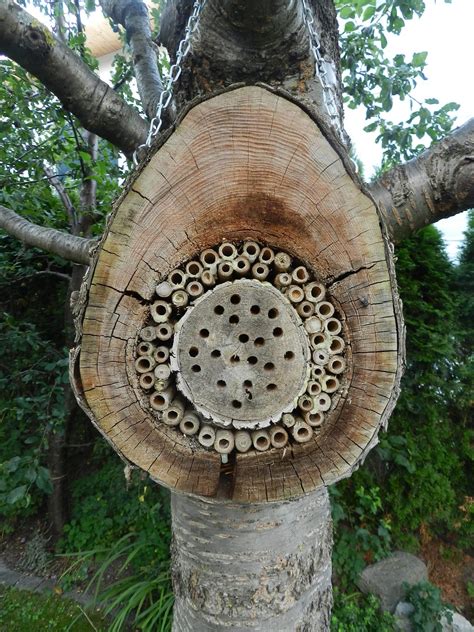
(437, 184)
(66, 246)
(96, 105)
(133, 16)
(63, 195)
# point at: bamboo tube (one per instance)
(227, 251)
(161, 354)
(261, 440)
(337, 345)
(189, 424)
(148, 334)
(330, 384)
(160, 311)
(336, 364)
(260, 271)
(278, 436)
(282, 280)
(305, 402)
(164, 331)
(207, 278)
(313, 388)
(251, 250)
(161, 400)
(194, 289)
(322, 402)
(314, 418)
(313, 325)
(320, 340)
(147, 380)
(207, 436)
(164, 289)
(324, 309)
(180, 298)
(144, 364)
(282, 262)
(225, 270)
(243, 441)
(145, 348)
(241, 265)
(332, 326)
(295, 294)
(162, 371)
(173, 415)
(194, 269)
(320, 357)
(224, 442)
(317, 372)
(305, 309)
(288, 420)
(300, 275)
(314, 292)
(210, 260)
(177, 279)
(266, 256)
(301, 431)
(161, 385)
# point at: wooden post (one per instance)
(249, 204)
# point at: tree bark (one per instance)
(69, 247)
(96, 105)
(133, 16)
(252, 567)
(436, 184)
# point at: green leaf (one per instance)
(16, 494)
(419, 59)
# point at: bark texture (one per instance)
(133, 16)
(96, 105)
(69, 247)
(242, 41)
(437, 184)
(247, 567)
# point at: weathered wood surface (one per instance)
(248, 164)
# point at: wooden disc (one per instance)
(247, 164)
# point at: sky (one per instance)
(445, 31)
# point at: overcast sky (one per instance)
(445, 31)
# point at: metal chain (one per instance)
(322, 69)
(173, 76)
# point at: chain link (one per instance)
(323, 69)
(183, 49)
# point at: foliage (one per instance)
(428, 608)
(373, 81)
(22, 611)
(359, 613)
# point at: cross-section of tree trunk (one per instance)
(247, 165)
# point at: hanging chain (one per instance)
(322, 69)
(185, 46)
(173, 76)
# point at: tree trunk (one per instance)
(252, 567)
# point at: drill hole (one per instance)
(273, 312)
(272, 387)
(255, 309)
(259, 342)
(193, 352)
(234, 319)
(252, 360)
(277, 332)
(269, 366)
(196, 368)
(248, 384)
(235, 299)
(215, 353)
(243, 338)
(204, 333)
(221, 383)
(236, 403)
(219, 310)
(234, 359)
(289, 355)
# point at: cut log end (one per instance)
(239, 211)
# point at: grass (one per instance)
(23, 611)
